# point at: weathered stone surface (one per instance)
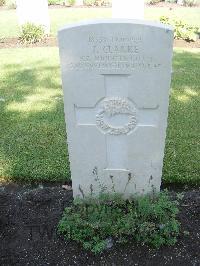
(116, 78)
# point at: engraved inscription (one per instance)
(120, 38)
(119, 52)
(110, 49)
(114, 107)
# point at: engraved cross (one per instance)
(116, 116)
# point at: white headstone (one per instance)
(130, 9)
(33, 11)
(180, 2)
(116, 78)
(79, 2)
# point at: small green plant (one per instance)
(2, 2)
(95, 222)
(71, 2)
(180, 196)
(171, 1)
(186, 233)
(56, 2)
(52, 2)
(31, 33)
(153, 2)
(189, 3)
(11, 4)
(181, 29)
(103, 3)
(89, 2)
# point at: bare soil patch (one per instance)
(29, 218)
(15, 43)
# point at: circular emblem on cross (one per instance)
(116, 116)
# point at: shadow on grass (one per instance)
(33, 138)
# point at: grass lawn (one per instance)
(62, 16)
(32, 135)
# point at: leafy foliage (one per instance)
(171, 1)
(181, 29)
(153, 2)
(11, 4)
(2, 2)
(190, 2)
(94, 222)
(71, 2)
(56, 2)
(31, 33)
